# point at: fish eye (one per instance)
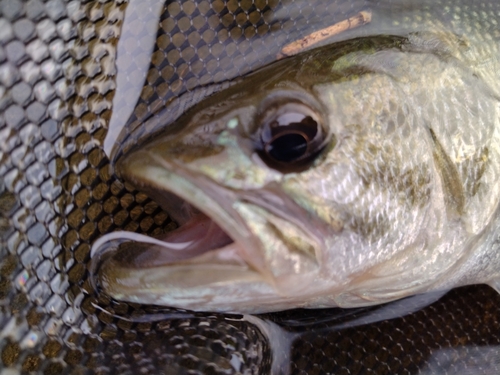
(291, 134)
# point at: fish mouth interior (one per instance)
(219, 238)
(197, 236)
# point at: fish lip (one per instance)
(212, 200)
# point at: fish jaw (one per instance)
(256, 272)
(153, 173)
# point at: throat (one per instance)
(201, 231)
(197, 236)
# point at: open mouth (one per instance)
(231, 248)
(194, 238)
(190, 198)
(204, 250)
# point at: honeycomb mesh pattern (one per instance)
(59, 89)
(456, 335)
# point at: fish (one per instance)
(44, 313)
(350, 175)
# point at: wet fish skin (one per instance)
(403, 199)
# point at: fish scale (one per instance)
(57, 88)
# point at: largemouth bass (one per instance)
(350, 175)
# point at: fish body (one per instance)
(354, 174)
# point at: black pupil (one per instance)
(288, 147)
(289, 136)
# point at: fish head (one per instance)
(320, 172)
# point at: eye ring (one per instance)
(291, 131)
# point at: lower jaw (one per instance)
(140, 273)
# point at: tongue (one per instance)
(198, 235)
(201, 231)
